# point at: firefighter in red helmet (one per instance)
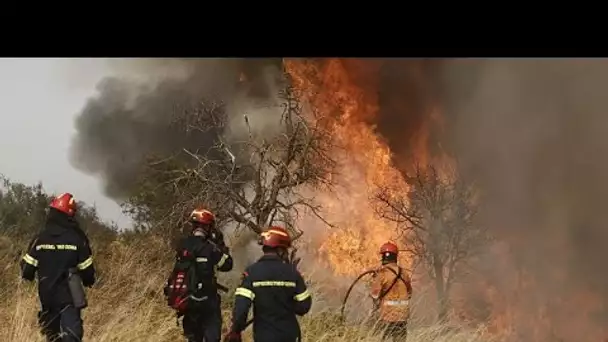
(277, 291)
(198, 257)
(60, 251)
(391, 291)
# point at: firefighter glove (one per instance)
(233, 337)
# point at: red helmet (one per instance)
(275, 237)
(202, 216)
(64, 203)
(389, 247)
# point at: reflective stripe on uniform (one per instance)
(201, 259)
(396, 302)
(241, 291)
(222, 260)
(39, 247)
(57, 247)
(274, 283)
(30, 260)
(83, 265)
(302, 296)
(199, 299)
(68, 247)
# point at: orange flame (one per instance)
(365, 164)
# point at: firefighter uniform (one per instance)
(278, 293)
(394, 304)
(203, 321)
(60, 246)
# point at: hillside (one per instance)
(127, 303)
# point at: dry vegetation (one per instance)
(251, 183)
(127, 303)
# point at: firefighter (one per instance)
(277, 291)
(59, 247)
(391, 291)
(202, 320)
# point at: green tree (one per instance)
(23, 210)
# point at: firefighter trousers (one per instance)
(395, 330)
(61, 324)
(203, 326)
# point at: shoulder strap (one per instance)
(193, 270)
(397, 277)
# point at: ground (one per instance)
(127, 303)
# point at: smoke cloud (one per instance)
(534, 132)
(129, 117)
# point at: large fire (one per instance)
(366, 163)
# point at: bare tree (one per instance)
(438, 219)
(254, 181)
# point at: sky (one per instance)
(39, 99)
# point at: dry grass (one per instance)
(127, 303)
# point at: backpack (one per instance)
(183, 285)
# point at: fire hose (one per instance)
(374, 271)
(382, 294)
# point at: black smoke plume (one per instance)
(128, 119)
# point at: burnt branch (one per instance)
(395, 208)
(253, 181)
